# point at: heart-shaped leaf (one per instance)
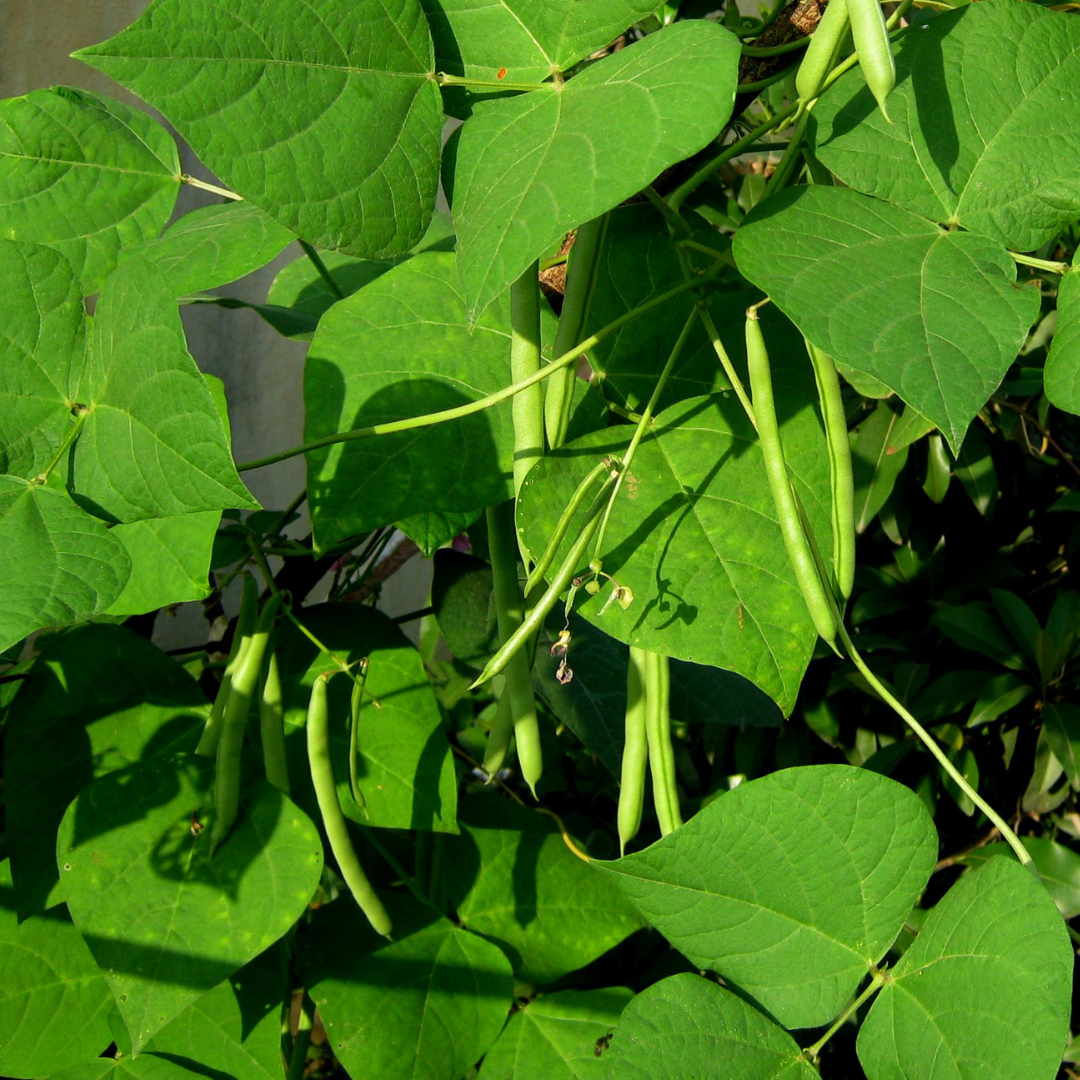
(531, 41)
(694, 534)
(54, 1003)
(401, 347)
(1062, 375)
(531, 167)
(564, 914)
(983, 131)
(790, 886)
(934, 315)
(983, 991)
(84, 175)
(428, 1004)
(272, 96)
(164, 921)
(687, 1026)
(63, 566)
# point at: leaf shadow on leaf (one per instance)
(377, 481)
(933, 105)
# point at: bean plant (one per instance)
(727, 372)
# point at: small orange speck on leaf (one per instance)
(501, 73)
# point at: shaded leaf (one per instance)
(975, 470)
(687, 1026)
(164, 921)
(54, 1003)
(430, 530)
(97, 698)
(984, 989)
(562, 915)
(520, 160)
(267, 96)
(834, 261)
(983, 130)
(63, 566)
(557, 1036)
(84, 175)
(790, 886)
(428, 1004)
(1062, 373)
(1061, 727)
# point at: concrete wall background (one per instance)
(262, 370)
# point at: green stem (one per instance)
(527, 408)
(581, 276)
(677, 225)
(789, 162)
(304, 1024)
(443, 79)
(769, 80)
(931, 744)
(811, 1052)
(1040, 264)
(757, 29)
(725, 362)
(80, 412)
(202, 185)
(320, 266)
(429, 419)
(776, 50)
(639, 431)
(689, 186)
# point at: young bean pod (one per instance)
(772, 451)
(871, 38)
(635, 755)
(234, 722)
(272, 727)
(245, 624)
(356, 700)
(822, 52)
(843, 483)
(658, 734)
(498, 740)
(337, 830)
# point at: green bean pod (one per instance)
(498, 740)
(272, 727)
(871, 39)
(658, 735)
(233, 724)
(337, 830)
(245, 624)
(635, 755)
(508, 606)
(821, 53)
(356, 700)
(842, 479)
(772, 451)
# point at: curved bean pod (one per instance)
(872, 44)
(635, 755)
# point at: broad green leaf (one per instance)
(557, 1036)
(542, 163)
(974, 626)
(98, 698)
(687, 1026)
(426, 1005)
(1020, 621)
(170, 561)
(983, 131)
(54, 1003)
(876, 462)
(301, 288)
(975, 470)
(84, 175)
(637, 261)
(463, 600)
(164, 921)
(1061, 727)
(143, 1067)
(429, 530)
(562, 915)
(214, 245)
(694, 534)
(935, 315)
(40, 354)
(1000, 693)
(153, 444)
(1062, 374)
(1058, 866)
(399, 348)
(531, 41)
(938, 470)
(790, 886)
(984, 990)
(405, 770)
(234, 1029)
(61, 566)
(273, 97)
